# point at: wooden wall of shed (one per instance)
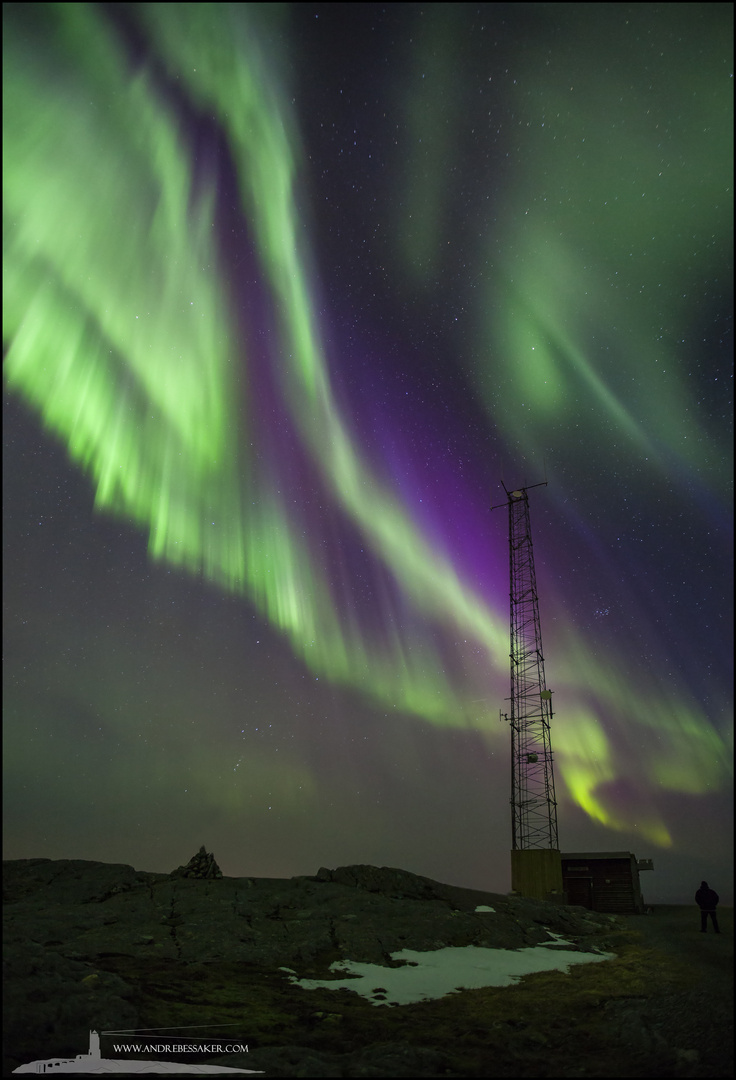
(614, 884)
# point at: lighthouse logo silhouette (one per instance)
(93, 1062)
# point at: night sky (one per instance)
(288, 291)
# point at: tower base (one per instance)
(537, 873)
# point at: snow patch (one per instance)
(429, 975)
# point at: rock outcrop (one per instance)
(398, 884)
(82, 938)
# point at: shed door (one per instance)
(580, 891)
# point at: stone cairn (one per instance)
(202, 866)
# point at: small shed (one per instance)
(604, 880)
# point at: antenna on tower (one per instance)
(535, 858)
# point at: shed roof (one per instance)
(597, 855)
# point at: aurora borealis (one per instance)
(288, 290)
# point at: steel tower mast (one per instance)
(533, 803)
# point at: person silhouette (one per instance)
(707, 900)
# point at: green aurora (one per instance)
(122, 334)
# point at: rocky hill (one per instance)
(103, 946)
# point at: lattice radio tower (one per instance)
(533, 803)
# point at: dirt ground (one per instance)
(690, 1017)
(675, 930)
